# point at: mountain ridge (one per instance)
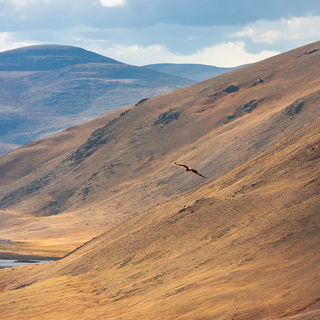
(195, 72)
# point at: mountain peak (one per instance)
(48, 57)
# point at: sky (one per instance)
(222, 33)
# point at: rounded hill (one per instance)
(48, 57)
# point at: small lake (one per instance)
(8, 263)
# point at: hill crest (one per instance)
(195, 72)
(48, 57)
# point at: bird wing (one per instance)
(182, 165)
(196, 172)
(190, 169)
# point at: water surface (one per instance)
(9, 263)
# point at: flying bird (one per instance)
(190, 169)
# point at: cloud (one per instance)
(141, 32)
(113, 3)
(230, 54)
(22, 3)
(7, 42)
(227, 54)
(271, 32)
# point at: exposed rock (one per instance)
(294, 108)
(123, 113)
(231, 88)
(257, 82)
(312, 51)
(141, 101)
(167, 117)
(227, 119)
(248, 107)
(98, 138)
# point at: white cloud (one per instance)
(271, 32)
(113, 3)
(229, 54)
(8, 43)
(22, 3)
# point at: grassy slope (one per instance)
(127, 166)
(245, 246)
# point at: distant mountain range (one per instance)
(45, 89)
(194, 72)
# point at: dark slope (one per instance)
(194, 72)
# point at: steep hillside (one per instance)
(45, 89)
(244, 246)
(195, 72)
(127, 165)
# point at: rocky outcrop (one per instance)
(231, 88)
(257, 82)
(294, 108)
(248, 107)
(167, 117)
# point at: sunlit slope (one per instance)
(126, 165)
(244, 246)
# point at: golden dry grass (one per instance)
(130, 166)
(243, 244)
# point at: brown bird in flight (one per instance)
(190, 169)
